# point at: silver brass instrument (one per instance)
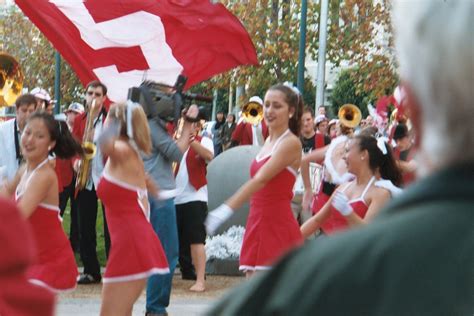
(90, 149)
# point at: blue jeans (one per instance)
(163, 220)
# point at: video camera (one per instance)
(166, 102)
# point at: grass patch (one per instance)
(99, 228)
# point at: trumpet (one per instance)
(350, 115)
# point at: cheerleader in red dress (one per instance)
(55, 268)
(130, 231)
(271, 227)
(36, 192)
(136, 252)
(359, 201)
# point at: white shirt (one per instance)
(187, 193)
(97, 166)
(7, 145)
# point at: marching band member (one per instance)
(404, 153)
(334, 172)
(360, 200)
(10, 134)
(310, 140)
(87, 204)
(136, 251)
(250, 134)
(36, 191)
(271, 227)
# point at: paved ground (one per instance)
(85, 300)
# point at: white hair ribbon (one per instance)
(130, 107)
(381, 145)
(292, 87)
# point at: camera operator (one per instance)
(158, 165)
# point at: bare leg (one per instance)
(118, 298)
(249, 274)
(198, 255)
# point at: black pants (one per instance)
(87, 209)
(190, 219)
(68, 194)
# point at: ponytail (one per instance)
(383, 163)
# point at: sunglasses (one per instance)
(97, 94)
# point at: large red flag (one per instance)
(122, 42)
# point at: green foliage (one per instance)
(22, 40)
(345, 91)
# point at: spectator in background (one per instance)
(417, 257)
(191, 207)
(216, 133)
(321, 110)
(227, 130)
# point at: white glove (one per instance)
(341, 203)
(216, 217)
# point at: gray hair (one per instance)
(434, 40)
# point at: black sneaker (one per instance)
(86, 278)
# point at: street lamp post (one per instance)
(323, 21)
(302, 47)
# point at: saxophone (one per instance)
(89, 148)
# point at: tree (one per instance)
(361, 34)
(274, 29)
(345, 91)
(22, 40)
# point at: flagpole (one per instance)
(302, 48)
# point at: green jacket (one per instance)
(417, 258)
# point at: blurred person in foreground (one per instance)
(417, 257)
(18, 296)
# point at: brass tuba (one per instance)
(349, 115)
(90, 149)
(11, 80)
(253, 113)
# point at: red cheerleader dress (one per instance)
(271, 228)
(337, 222)
(55, 266)
(135, 251)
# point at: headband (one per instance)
(381, 145)
(130, 107)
